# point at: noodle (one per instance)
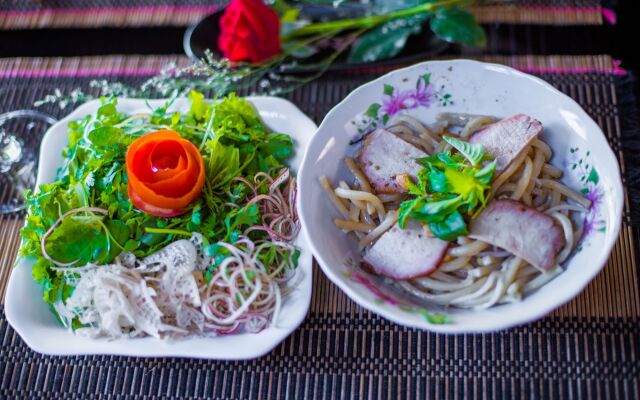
(324, 182)
(418, 128)
(506, 174)
(353, 226)
(475, 124)
(551, 171)
(523, 182)
(566, 191)
(468, 250)
(363, 196)
(546, 150)
(387, 223)
(473, 274)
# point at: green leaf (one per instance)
(241, 218)
(198, 106)
(448, 187)
(388, 90)
(223, 164)
(131, 245)
(119, 232)
(438, 181)
(106, 136)
(108, 109)
(78, 239)
(458, 26)
(405, 209)
(474, 152)
(450, 228)
(40, 270)
(436, 210)
(485, 175)
(196, 215)
(385, 41)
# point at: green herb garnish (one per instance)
(450, 187)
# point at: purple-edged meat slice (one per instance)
(524, 231)
(405, 253)
(507, 138)
(384, 156)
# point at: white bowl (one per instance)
(478, 88)
(30, 316)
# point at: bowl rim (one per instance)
(397, 316)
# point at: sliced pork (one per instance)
(525, 232)
(507, 138)
(405, 253)
(384, 156)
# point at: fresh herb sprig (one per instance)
(450, 188)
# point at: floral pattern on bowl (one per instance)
(397, 100)
(589, 179)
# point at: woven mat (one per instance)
(29, 14)
(590, 348)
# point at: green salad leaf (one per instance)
(232, 140)
(450, 187)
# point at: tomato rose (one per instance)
(249, 31)
(166, 173)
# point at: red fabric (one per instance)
(249, 31)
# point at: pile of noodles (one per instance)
(473, 274)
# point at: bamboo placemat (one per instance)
(30, 14)
(589, 348)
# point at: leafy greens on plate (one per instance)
(244, 166)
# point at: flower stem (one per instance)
(372, 20)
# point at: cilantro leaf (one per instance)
(240, 218)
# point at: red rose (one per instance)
(249, 31)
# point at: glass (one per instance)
(21, 132)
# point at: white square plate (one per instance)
(30, 316)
